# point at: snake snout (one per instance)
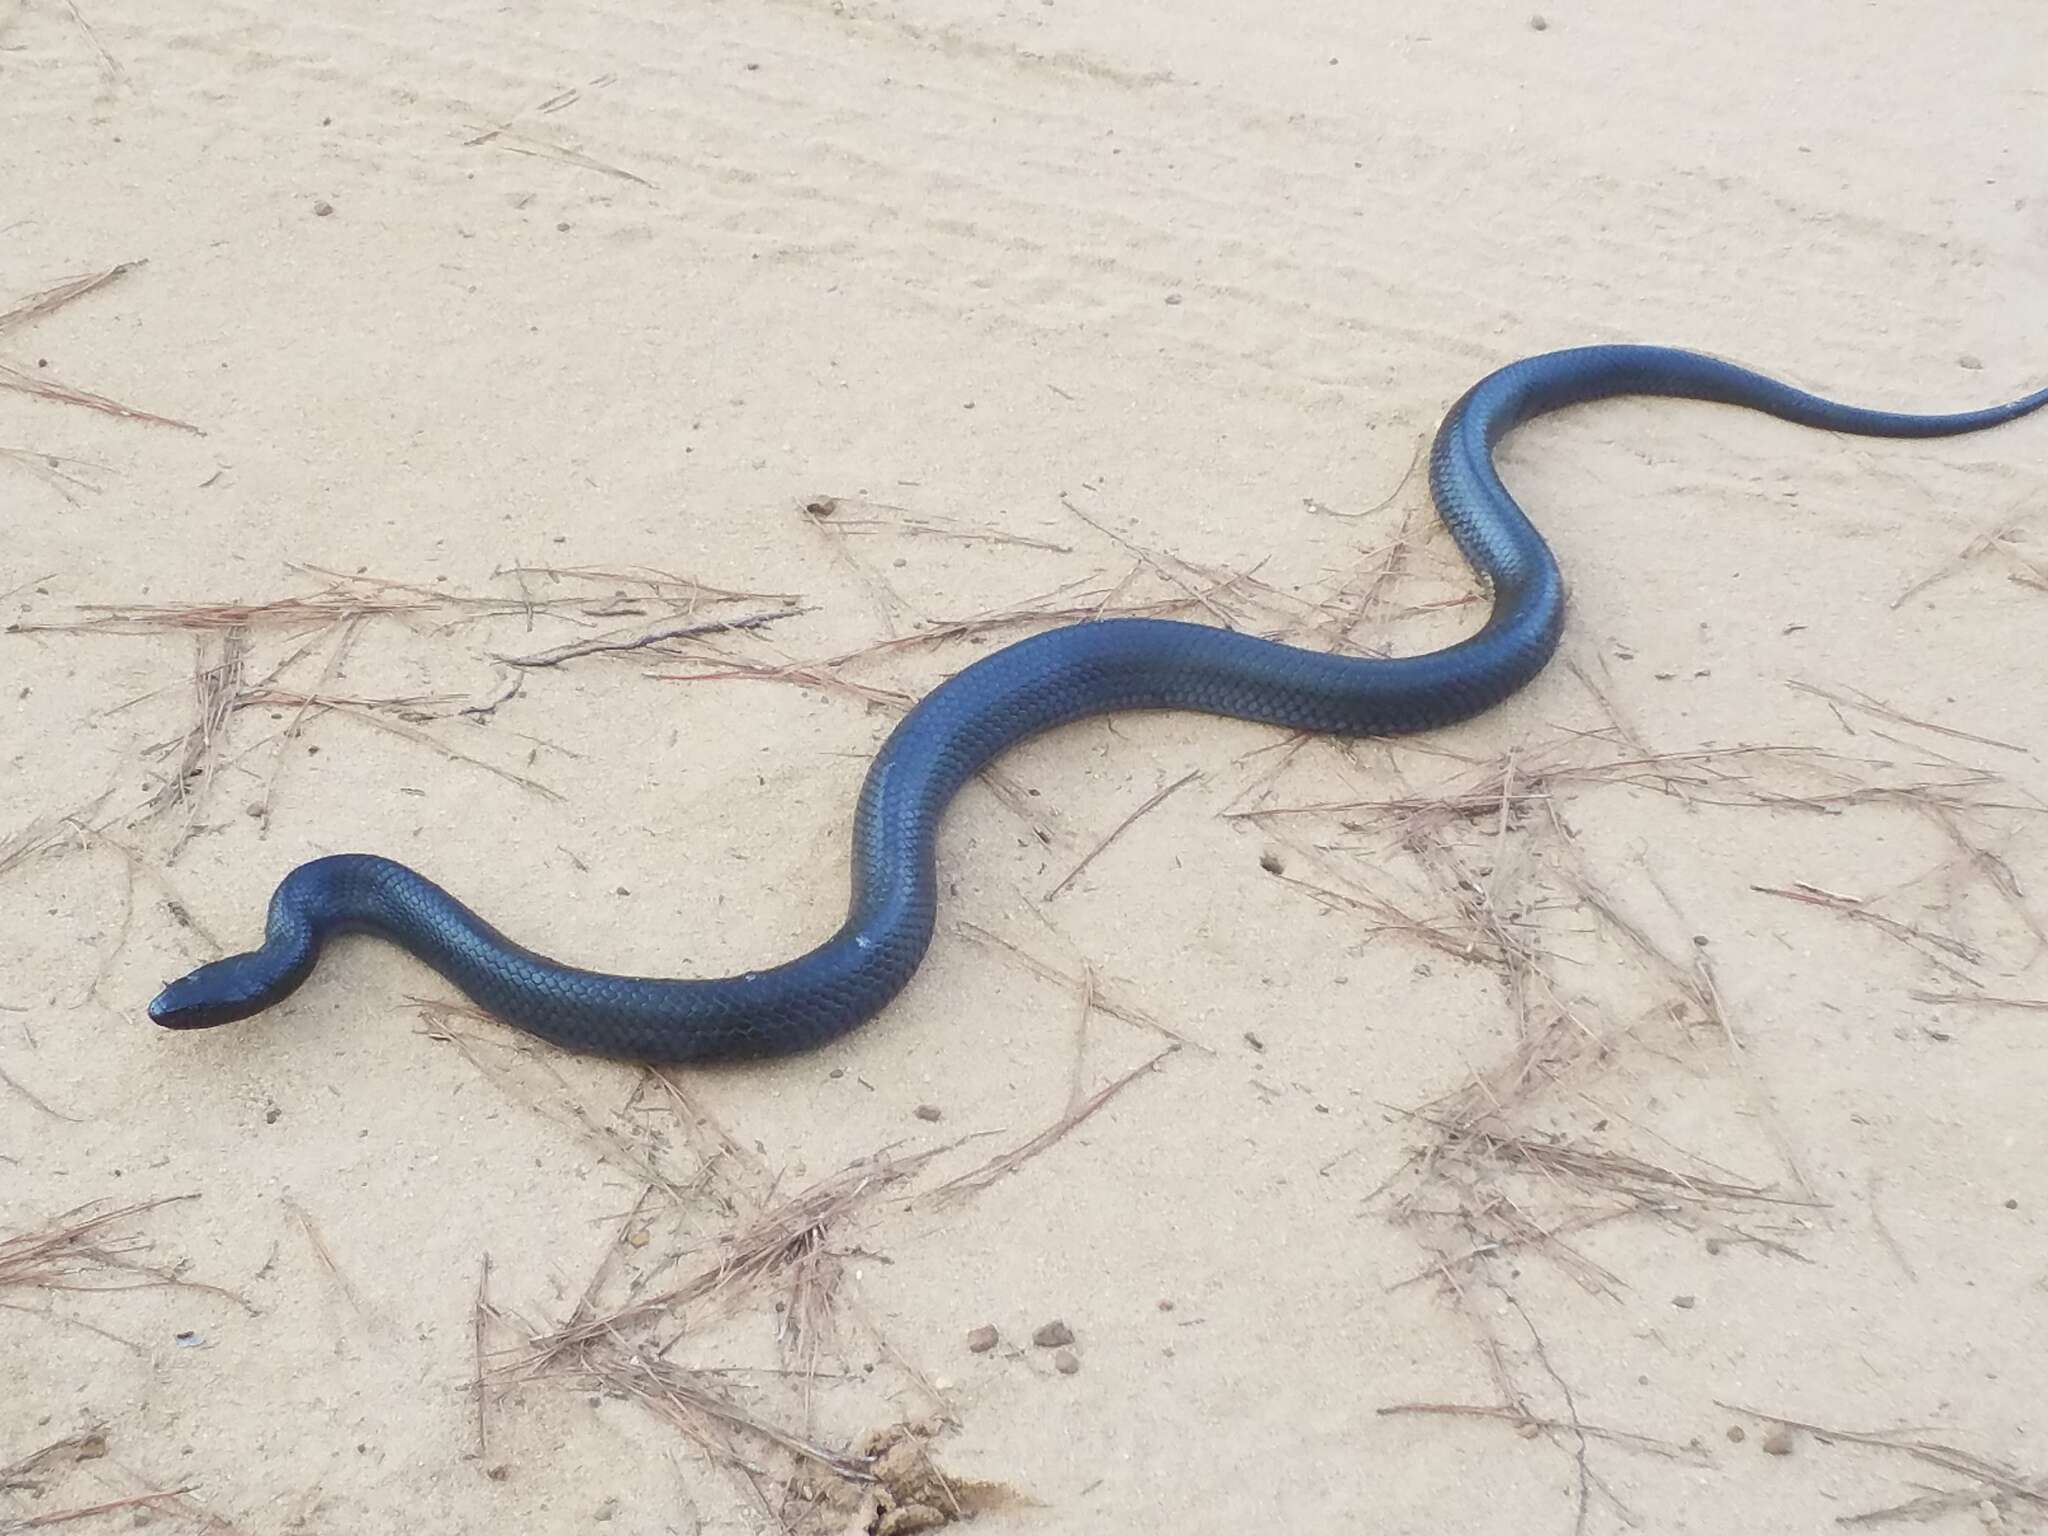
(213, 994)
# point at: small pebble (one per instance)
(1173, 298)
(322, 209)
(981, 1340)
(1970, 360)
(1166, 1303)
(1538, 24)
(1685, 1303)
(1528, 1431)
(928, 1112)
(1736, 1434)
(1777, 1441)
(1052, 1335)
(1066, 1362)
(606, 1510)
(1989, 1515)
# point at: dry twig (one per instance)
(1119, 829)
(1981, 1000)
(79, 1251)
(978, 1179)
(1951, 1458)
(49, 389)
(679, 629)
(1870, 706)
(1634, 1441)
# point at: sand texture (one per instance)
(550, 444)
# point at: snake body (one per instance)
(1050, 679)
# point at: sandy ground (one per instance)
(1589, 1071)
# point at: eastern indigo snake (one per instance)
(1048, 680)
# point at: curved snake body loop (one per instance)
(1048, 680)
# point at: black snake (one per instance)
(1048, 680)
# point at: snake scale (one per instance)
(1047, 680)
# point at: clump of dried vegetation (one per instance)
(1484, 863)
(714, 1253)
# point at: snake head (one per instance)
(219, 992)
